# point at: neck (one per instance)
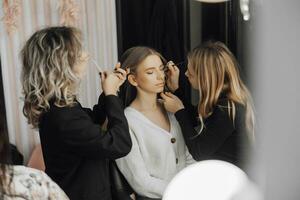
(145, 101)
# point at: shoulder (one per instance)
(138, 125)
(224, 109)
(25, 173)
(220, 113)
(128, 110)
(64, 117)
(35, 183)
(131, 114)
(224, 104)
(66, 112)
(75, 107)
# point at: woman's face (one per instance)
(150, 76)
(191, 75)
(80, 67)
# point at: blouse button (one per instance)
(173, 140)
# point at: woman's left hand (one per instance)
(171, 102)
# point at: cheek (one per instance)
(194, 82)
(147, 83)
(142, 81)
(81, 67)
(146, 79)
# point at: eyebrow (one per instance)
(154, 67)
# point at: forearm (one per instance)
(141, 181)
(99, 113)
(190, 134)
(184, 119)
(202, 143)
(81, 135)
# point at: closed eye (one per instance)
(149, 72)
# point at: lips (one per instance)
(160, 84)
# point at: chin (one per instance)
(158, 91)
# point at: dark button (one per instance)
(176, 160)
(173, 140)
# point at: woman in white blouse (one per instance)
(158, 152)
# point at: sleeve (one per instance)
(217, 128)
(80, 135)
(134, 170)
(188, 158)
(191, 109)
(98, 114)
(53, 190)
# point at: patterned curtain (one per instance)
(20, 18)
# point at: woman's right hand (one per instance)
(112, 81)
(171, 102)
(172, 76)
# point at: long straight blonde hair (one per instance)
(48, 58)
(217, 73)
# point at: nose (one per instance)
(160, 75)
(186, 74)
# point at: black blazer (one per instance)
(220, 138)
(77, 152)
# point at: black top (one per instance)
(220, 138)
(76, 151)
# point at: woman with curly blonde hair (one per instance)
(222, 125)
(75, 149)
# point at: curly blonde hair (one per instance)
(48, 58)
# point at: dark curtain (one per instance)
(153, 23)
(160, 24)
(220, 22)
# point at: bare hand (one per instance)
(172, 76)
(111, 81)
(171, 102)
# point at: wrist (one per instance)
(179, 108)
(110, 93)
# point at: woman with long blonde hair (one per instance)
(222, 124)
(75, 149)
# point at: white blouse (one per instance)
(156, 155)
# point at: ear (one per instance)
(132, 80)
